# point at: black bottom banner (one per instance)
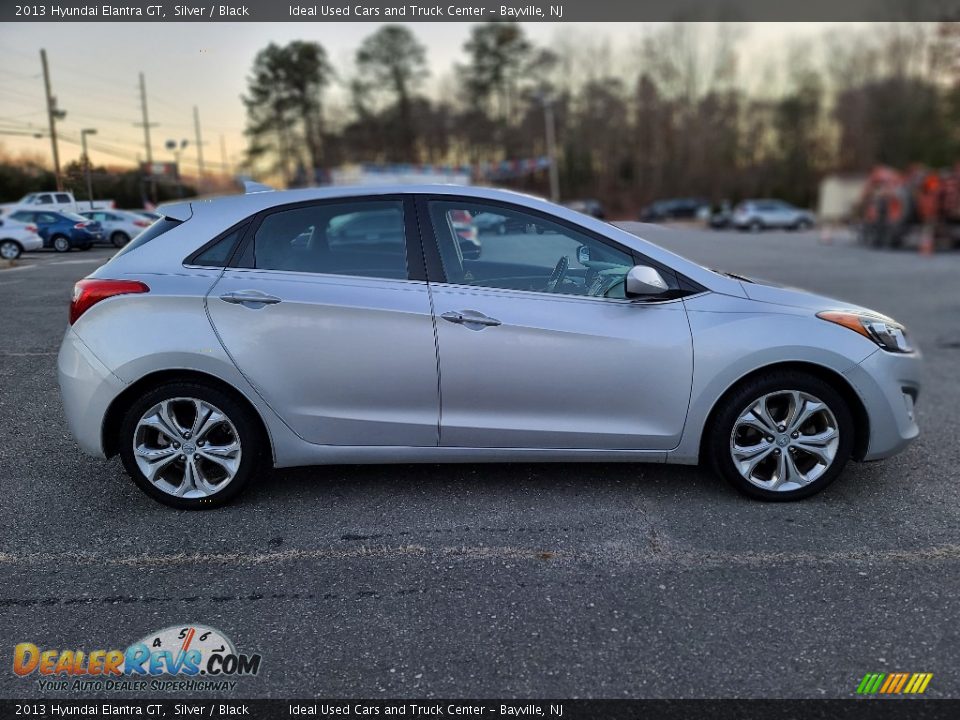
(892, 709)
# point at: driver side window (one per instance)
(494, 246)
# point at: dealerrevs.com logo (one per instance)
(176, 659)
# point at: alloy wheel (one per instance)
(187, 448)
(9, 250)
(784, 440)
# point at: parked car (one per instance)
(758, 215)
(62, 230)
(149, 214)
(675, 209)
(58, 201)
(16, 238)
(570, 345)
(493, 223)
(721, 216)
(119, 226)
(594, 208)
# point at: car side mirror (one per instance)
(643, 280)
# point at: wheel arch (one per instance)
(110, 430)
(861, 420)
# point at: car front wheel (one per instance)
(781, 436)
(190, 446)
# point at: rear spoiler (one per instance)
(181, 211)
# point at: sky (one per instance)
(94, 71)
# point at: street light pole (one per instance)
(86, 162)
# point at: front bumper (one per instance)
(888, 384)
(87, 388)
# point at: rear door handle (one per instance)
(250, 297)
(470, 317)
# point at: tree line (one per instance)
(690, 112)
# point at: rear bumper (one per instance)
(87, 388)
(29, 243)
(888, 384)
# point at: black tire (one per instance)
(10, 249)
(755, 226)
(254, 446)
(717, 441)
(119, 239)
(61, 243)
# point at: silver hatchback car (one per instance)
(345, 325)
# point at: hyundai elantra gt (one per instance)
(346, 325)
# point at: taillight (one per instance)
(89, 292)
(31, 228)
(80, 226)
(141, 223)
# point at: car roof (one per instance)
(262, 200)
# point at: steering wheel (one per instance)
(559, 273)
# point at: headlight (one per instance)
(887, 333)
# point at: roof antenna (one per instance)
(250, 187)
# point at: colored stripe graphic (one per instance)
(894, 683)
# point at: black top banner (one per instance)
(478, 11)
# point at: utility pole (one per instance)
(86, 162)
(551, 133)
(53, 115)
(223, 156)
(196, 128)
(146, 124)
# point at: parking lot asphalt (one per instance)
(557, 580)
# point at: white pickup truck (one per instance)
(54, 200)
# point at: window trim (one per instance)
(243, 258)
(434, 262)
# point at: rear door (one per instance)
(328, 316)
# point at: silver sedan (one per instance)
(277, 329)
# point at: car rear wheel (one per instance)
(781, 436)
(190, 446)
(10, 249)
(61, 243)
(755, 226)
(119, 239)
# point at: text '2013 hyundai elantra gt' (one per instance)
(346, 325)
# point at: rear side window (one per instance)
(218, 254)
(151, 233)
(363, 238)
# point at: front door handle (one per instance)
(250, 297)
(470, 317)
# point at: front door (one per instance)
(539, 346)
